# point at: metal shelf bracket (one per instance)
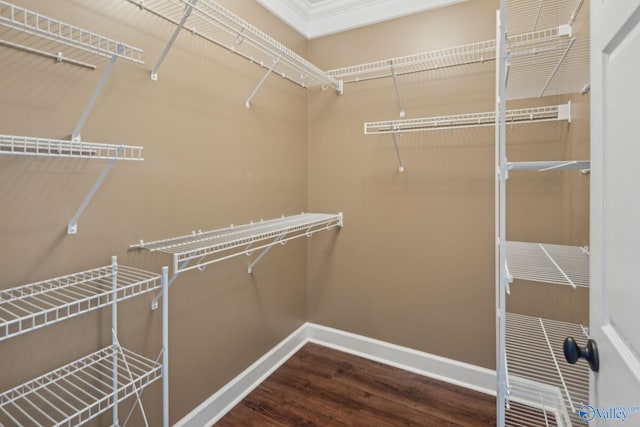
(264, 78)
(187, 12)
(72, 227)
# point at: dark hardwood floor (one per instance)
(320, 386)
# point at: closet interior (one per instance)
(403, 146)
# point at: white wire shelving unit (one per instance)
(85, 388)
(202, 248)
(48, 147)
(35, 33)
(538, 375)
(458, 121)
(547, 263)
(216, 24)
(560, 112)
(538, 53)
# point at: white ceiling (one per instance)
(315, 18)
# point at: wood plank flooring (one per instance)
(320, 386)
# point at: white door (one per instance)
(615, 212)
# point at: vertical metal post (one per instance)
(187, 12)
(165, 346)
(154, 302)
(264, 78)
(500, 189)
(395, 145)
(395, 86)
(75, 136)
(114, 335)
(72, 227)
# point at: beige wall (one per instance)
(413, 264)
(209, 162)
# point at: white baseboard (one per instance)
(437, 367)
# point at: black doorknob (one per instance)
(573, 352)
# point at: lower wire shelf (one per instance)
(80, 391)
(544, 389)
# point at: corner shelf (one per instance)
(537, 372)
(538, 262)
(214, 23)
(221, 244)
(68, 42)
(89, 386)
(48, 147)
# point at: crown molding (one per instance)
(317, 18)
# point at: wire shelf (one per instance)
(538, 262)
(79, 391)
(218, 25)
(217, 245)
(449, 57)
(537, 369)
(545, 166)
(33, 306)
(66, 42)
(524, 115)
(31, 146)
(532, 15)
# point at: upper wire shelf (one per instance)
(67, 42)
(449, 57)
(536, 367)
(524, 115)
(33, 306)
(547, 263)
(217, 245)
(79, 391)
(220, 26)
(31, 146)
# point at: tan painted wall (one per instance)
(413, 264)
(209, 162)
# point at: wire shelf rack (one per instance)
(33, 306)
(79, 391)
(63, 42)
(217, 245)
(449, 57)
(556, 165)
(524, 115)
(220, 26)
(31, 146)
(538, 375)
(547, 263)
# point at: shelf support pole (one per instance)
(72, 227)
(75, 136)
(114, 335)
(187, 12)
(264, 78)
(154, 303)
(165, 347)
(264, 252)
(395, 86)
(395, 145)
